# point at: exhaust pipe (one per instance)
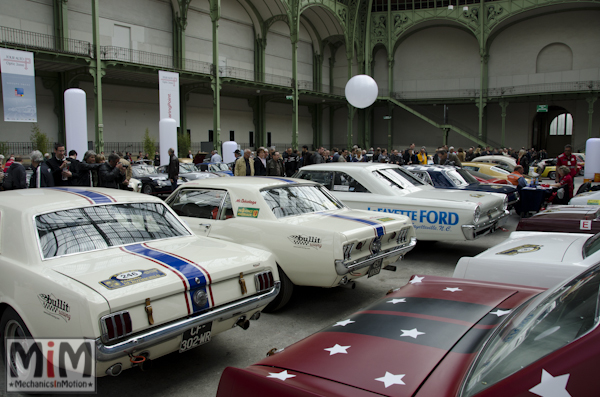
(243, 323)
(350, 285)
(115, 369)
(146, 365)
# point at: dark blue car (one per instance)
(450, 177)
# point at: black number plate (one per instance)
(195, 337)
(375, 268)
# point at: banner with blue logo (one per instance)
(18, 86)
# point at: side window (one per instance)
(226, 209)
(198, 203)
(345, 183)
(440, 180)
(423, 176)
(322, 177)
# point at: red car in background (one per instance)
(564, 218)
(445, 337)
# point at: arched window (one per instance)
(562, 125)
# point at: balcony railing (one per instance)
(111, 53)
(39, 41)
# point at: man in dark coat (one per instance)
(173, 169)
(111, 173)
(260, 163)
(275, 166)
(290, 160)
(15, 177)
(59, 165)
(42, 175)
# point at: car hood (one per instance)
(352, 223)
(486, 201)
(409, 333)
(168, 267)
(570, 212)
(539, 247)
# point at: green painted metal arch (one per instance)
(416, 28)
(257, 20)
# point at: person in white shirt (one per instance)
(216, 157)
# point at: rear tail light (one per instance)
(264, 281)
(402, 236)
(115, 326)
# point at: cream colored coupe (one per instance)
(317, 241)
(122, 269)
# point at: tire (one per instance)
(287, 288)
(12, 326)
(147, 189)
(552, 175)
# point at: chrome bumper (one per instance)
(345, 267)
(473, 232)
(160, 334)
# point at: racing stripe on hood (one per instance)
(92, 197)
(379, 229)
(279, 179)
(193, 276)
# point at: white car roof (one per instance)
(50, 199)
(248, 182)
(344, 165)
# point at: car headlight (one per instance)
(505, 203)
(348, 251)
(477, 214)
(162, 182)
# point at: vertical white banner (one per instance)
(168, 91)
(18, 85)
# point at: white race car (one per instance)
(538, 259)
(122, 269)
(586, 198)
(440, 215)
(317, 240)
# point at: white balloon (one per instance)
(361, 91)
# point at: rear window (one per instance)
(591, 246)
(296, 200)
(86, 229)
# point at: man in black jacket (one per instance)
(173, 169)
(260, 163)
(42, 175)
(15, 177)
(111, 174)
(59, 165)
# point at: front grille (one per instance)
(264, 281)
(116, 325)
(402, 236)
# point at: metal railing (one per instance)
(39, 41)
(191, 65)
(112, 53)
(18, 148)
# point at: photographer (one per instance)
(112, 173)
(59, 165)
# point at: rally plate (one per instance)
(195, 337)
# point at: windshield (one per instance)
(398, 178)
(296, 200)
(538, 327)
(219, 167)
(464, 174)
(592, 245)
(91, 228)
(501, 169)
(143, 170)
(187, 167)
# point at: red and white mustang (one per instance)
(445, 337)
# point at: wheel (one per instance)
(287, 288)
(12, 326)
(552, 175)
(147, 189)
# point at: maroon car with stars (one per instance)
(445, 337)
(564, 218)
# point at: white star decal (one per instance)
(337, 349)
(413, 333)
(394, 301)
(343, 323)
(452, 289)
(552, 386)
(280, 375)
(416, 280)
(391, 379)
(500, 313)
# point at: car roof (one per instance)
(428, 167)
(50, 199)
(342, 165)
(248, 182)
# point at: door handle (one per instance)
(206, 225)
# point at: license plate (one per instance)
(375, 268)
(195, 337)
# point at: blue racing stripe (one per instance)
(189, 271)
(378, 228)
(97, 198)
(280, 179)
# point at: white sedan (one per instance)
(122, 269)
(438, 215)
(538, 259)
(317, 240)
(586, 198)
